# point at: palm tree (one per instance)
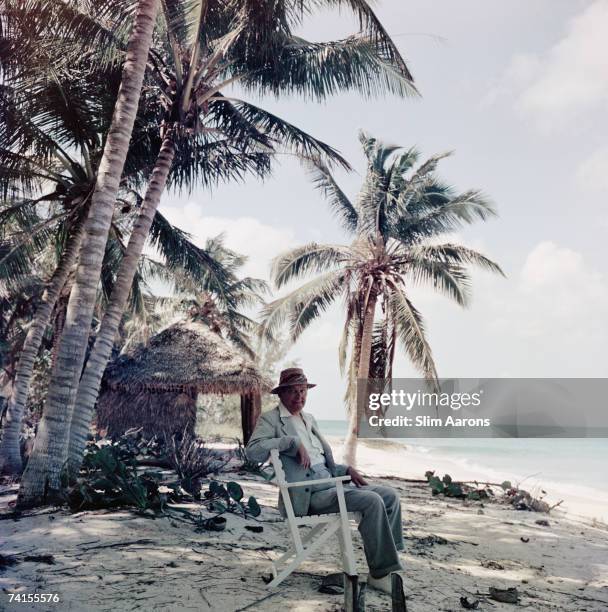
(51, 140)
(10, 457)
(220, 301)
(221, 305)
(17, 307)
(50, 146)
(401, 209)
(41, 478)
(201, 56)
(378, 66)
(37, 168)
(20, 266)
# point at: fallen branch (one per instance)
(234, 546)
(257, 601)
(575, 596)
(120, 544)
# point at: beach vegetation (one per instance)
(117, 473)
(519, 498)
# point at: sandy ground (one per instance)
(119, 561)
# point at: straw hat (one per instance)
(291, 377)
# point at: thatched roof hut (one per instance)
(155, 386)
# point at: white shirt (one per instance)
(303, 425)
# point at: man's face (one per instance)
(294, 397)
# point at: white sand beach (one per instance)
(119, 561)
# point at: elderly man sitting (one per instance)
(306, 455)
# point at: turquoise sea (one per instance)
(579, 465)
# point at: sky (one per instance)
(518, 91)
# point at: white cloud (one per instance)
(548, 265)
(559, 303)
(569, 79)
(592, 173)
(573, 76)
(522, 69)
(547, 319)
(245, 235)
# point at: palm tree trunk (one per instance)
(59, 321)
(10, 456)
(90, 382)
(350, 444)
(41, 478)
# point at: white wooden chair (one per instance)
(324, 526)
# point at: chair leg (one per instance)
(313, 532)
(328, 531)
(352, 600)
(399, 601)
(291, 549)
(285, 571)
(349, 564)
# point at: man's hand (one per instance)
(355, 477)
(304, 456)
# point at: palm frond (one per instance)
(307, 259)
(240, 119)
(453, 254)
(150, 269)
(339, 204)
(450, 279)
(112, 258)
(446, 217)
(372, 27)
(411, 332)
(194, 14)
(379, 358)
(310, 307)
(302, 306)
(248, 292)
(18, 133)
(50, 36)
(17, 254)
(23, 174)
(137, 306)
(179, 252)
(199, 161)
(402, 164)
(317, 70)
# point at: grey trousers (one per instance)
(380, 525)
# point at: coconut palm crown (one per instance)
(400, 212)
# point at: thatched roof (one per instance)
(186, 356)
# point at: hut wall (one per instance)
(157, 413)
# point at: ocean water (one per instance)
(572, 463)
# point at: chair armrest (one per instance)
(319, 481)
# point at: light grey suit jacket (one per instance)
(272, 431)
